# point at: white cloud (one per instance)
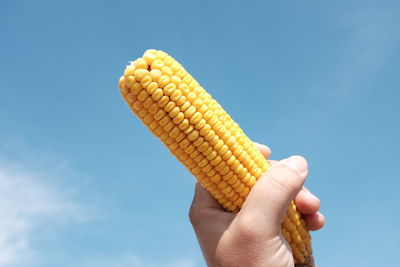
(30, 203)
(37, 195)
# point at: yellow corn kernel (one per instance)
(199, 133)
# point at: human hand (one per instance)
(253, 237)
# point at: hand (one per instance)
(253, 237)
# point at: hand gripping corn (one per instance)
(200, 134)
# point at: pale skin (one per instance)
(253, 236)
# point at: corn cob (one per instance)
(200, 134)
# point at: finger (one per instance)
(306, 202)
(314, 221)
(273, 162)
(203, 199)
(270, 197)
(266, 151)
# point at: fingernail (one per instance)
(297, 163)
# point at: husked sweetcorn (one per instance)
(200, 134)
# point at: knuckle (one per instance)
(247, 228)
(286, 177)
(198, 215)
(193, 215)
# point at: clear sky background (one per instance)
(83, 182)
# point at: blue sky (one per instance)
(83, 182)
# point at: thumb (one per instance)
(270, 197)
